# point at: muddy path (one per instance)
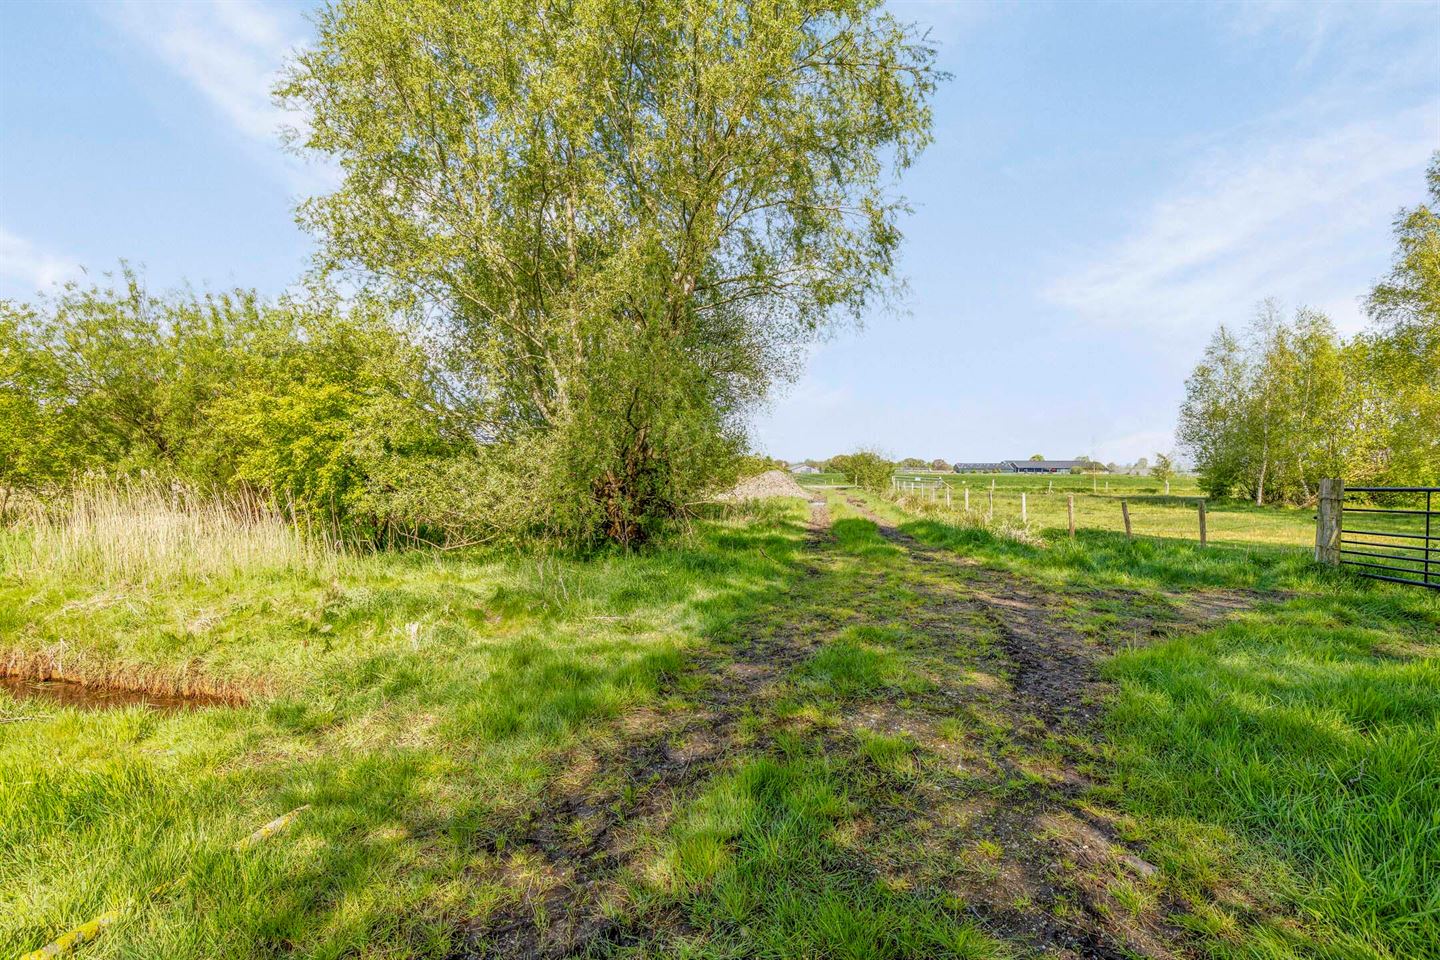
(592, 822)
(1000, 810)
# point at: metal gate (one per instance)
(1399, 543)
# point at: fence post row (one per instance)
(1125, 512)
(1327, 521)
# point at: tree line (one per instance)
(1272, 409)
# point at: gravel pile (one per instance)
(771, 483)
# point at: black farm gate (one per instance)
(1393, 534)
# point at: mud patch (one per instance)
(79, 696)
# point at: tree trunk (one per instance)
(1264, 465)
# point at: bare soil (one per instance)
(771, 483)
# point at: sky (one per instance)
(1108, 183)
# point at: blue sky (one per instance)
(1108, 182)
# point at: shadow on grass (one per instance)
(441, 695)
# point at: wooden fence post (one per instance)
(991, 512)
(1328, 519)
(1024, 513)
(947, 496)
(1125, 512)
(1202, 521)
(1070, 506)
(967, 499)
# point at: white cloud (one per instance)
(24, 265)
(1301, 218)
(231, 52)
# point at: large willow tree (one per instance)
(628, 214)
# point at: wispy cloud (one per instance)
(1296, 217)
(28, 268)
(231, 53)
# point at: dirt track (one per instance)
(1001, 816)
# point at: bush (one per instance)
(865, 468)
(330, 414)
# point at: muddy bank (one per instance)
(80, 696)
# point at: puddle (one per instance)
(67, 693)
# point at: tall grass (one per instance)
(147, 533)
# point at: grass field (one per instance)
(875, 730)
(1014, 483)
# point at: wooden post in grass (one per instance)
(1070, 506)
(1167, 488)
(947, 496)
(991, 512)
(1051, 488)
(1125, 512)
(1327, 521)
(967, 499)
(1201, 505)
(1024, 513)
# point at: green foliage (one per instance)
(333, 414)
(629, 216)
(1163, 469)
(1270, 416)
(864, 468)
(1409, 298)
(752, 464)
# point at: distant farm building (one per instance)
(803, 468)
(1027, 466)
(1048, 466)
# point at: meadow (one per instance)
(868, 729)
(1153, 513)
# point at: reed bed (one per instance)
(147, 533)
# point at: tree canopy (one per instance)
(627, 216)
(1270, 412)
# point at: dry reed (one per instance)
(146, 533)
